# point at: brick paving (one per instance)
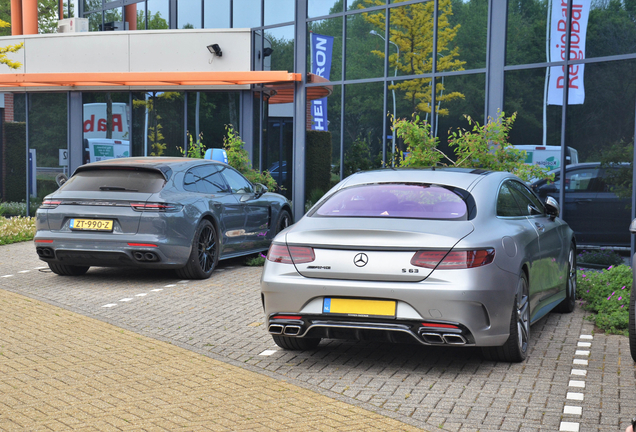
(221, 319)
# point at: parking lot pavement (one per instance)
(574, 379)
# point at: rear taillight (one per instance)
(50, 204)
(155, 207)
(290, 254)
(445, 260)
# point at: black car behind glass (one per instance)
(598, 216)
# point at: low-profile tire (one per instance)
(632, 323)
(68, 270)
(569, 302)
(295, 343)
(204, 255)
(516, 347)
(284, 220)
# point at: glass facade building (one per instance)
(445, 61)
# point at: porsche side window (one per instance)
(204, 179)
(506, 204)
(237, 182)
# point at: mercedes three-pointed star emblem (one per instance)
(361, 260)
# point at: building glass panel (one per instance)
(611, 29)
(95, 21)
(281, 42)
(114, 19)
(411, 38)
(91, 5)
(363, 125)
(463, 35)
(47, 136)
(216, 14)
(364, 50)
(158, 14)
(362, 4)
(246, 13)
(189, 14)
(106, 131)
(329, 27)
(279, 11)
(214, 112)
(318, 8)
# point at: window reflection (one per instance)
(114, 20)
(329, 27)
(316, 8)
(365, 50)
(463, 36)
(281, 42)
(247, 13)
(106, 119)
(158, 14)
(217, 13)
(279, 11)
(189, 14)
(90, 5)
(158, 123)
(94, 21)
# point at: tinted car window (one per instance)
(582, 180)
(124, 180)
(506, 203)
(204, 179)
(528, 198)
(237, 182)
(395, 201)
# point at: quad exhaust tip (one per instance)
(276, 329)
(145, 256)
(45, 252)
(443, 339)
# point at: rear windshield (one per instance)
(116, 180)
(420, 201)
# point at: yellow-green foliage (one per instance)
(9, 48)
(16, 229)
(412, 31)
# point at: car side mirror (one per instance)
(548, 188)
(260, 189)
(632, 227)
(552, 207)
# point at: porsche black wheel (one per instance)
(204, 255)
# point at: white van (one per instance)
(548, 156)
(98, 149)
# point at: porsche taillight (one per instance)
(50, 204)
(445, 260)
(284, 254)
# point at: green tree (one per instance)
(155, 135)
(9, 48)
(155, 21)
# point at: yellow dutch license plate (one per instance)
(358, 307)
(91, 224)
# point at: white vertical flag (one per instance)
(558, 47)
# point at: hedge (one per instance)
(15, 157)
(317, 162)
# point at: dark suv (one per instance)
(592, 209)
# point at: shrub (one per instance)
(18, 208)
(607, 293)
(238, 158)
(16, 229)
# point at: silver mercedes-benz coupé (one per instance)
(461, 257)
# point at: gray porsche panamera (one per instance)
(156, 212)
(457, 257)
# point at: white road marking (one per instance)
(584, 344)
(39, 268)
(575, 410)
(126, 299)
(574, 383)
(156, 290)
(24, 271)
(587, 337)
(110, 305)
(582, 352)
(184, 281)
(580, 362)
(268, 352)
(6, 276)
(581, 372)
(575, 396)
(141, 295)
(170, 286)
(569, 427)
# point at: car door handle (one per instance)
(583, 201)
(540, 227)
